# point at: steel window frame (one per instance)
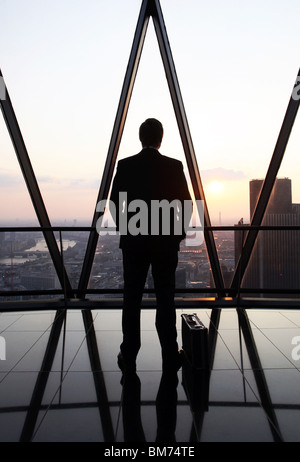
(33, 188)
(151, 8)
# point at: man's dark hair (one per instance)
(151, 133)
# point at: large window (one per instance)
(64, 66)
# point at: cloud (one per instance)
(46, 179)
(10, 180)
(68, 183)
(222, 174)
(14, 180)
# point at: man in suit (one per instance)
(142, 183)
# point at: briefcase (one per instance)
(194, 341)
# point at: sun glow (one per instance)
(215, 187)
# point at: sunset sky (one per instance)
(64, 62)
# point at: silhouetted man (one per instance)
(151, 237)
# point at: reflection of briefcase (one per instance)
(194, 341)
(196, 386)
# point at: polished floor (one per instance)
(59, 380)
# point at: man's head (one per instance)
(151, 133)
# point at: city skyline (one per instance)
(26, 264)
(235, 69)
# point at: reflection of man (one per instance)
(166, 409)
(150, 177)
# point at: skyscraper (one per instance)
(274, 263)
(280, 200)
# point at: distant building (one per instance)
(276, 256)
(180, 276)
(280, 200)
(39, 281)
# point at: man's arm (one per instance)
(114, 197)
(184, 197)
(184, 193)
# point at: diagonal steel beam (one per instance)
(259, 375)
(151, 8)
(31, 182)
(116, 137)
(42, 379)
(98, 376)
(186, 139)
(268, 184)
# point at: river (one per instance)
(40, 246)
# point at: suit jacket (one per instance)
(150, 176)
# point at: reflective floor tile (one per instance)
(240, 423)
(251, 393)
